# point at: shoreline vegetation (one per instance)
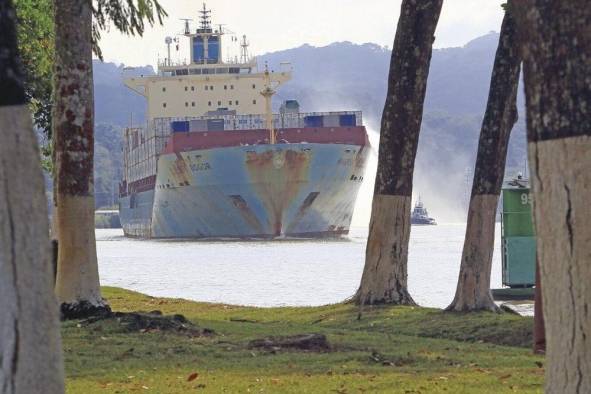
(389, 349)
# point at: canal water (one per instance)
(279, 273)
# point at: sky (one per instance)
(272, 25)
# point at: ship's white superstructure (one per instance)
(207, 83)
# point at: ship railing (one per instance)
(258, 121)
(166, 68)
(141, 148)
(166, 63)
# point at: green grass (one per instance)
(390, 349)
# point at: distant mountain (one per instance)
(114, 102)
(349, 74)
(346, 76)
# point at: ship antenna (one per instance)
(168, 41)
(187, 26)
(244, 50)
(205, 17)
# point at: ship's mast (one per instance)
(187, 25)
(268, 93)
(168, 41)
(206, 43)
(244, 50)
(205, 18)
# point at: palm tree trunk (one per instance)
(556, 43)
(473, 289)
(30, 347)
(384, 277)
(77, 282)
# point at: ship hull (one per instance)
(257, 191)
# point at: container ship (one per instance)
(214, 161)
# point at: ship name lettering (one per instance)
(205, 166)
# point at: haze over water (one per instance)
(280, 273)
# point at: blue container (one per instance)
(347, 120)
(313, 121)
(179, 126)
(215, 125)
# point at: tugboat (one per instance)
(420, 215)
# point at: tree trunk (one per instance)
(473, 290)
(30, 347)
(539, 331)
(384, 277)
(556, 43)
(77, 283)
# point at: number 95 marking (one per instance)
(526, 199)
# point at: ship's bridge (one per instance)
(206, 83)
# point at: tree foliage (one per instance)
(128, 16)
(36, 42)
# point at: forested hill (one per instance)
(356, 75)
(114, 103)
(344, 75)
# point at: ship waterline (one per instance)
(261, 191)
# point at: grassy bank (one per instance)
(390, 349)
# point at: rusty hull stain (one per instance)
(277, 176)
(180, 172)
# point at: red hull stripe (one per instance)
(183, 141)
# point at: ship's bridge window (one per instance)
(195, 71)
(245, 70)
(221, 71)
(182, 71)
(234, 70)
(208, 71)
